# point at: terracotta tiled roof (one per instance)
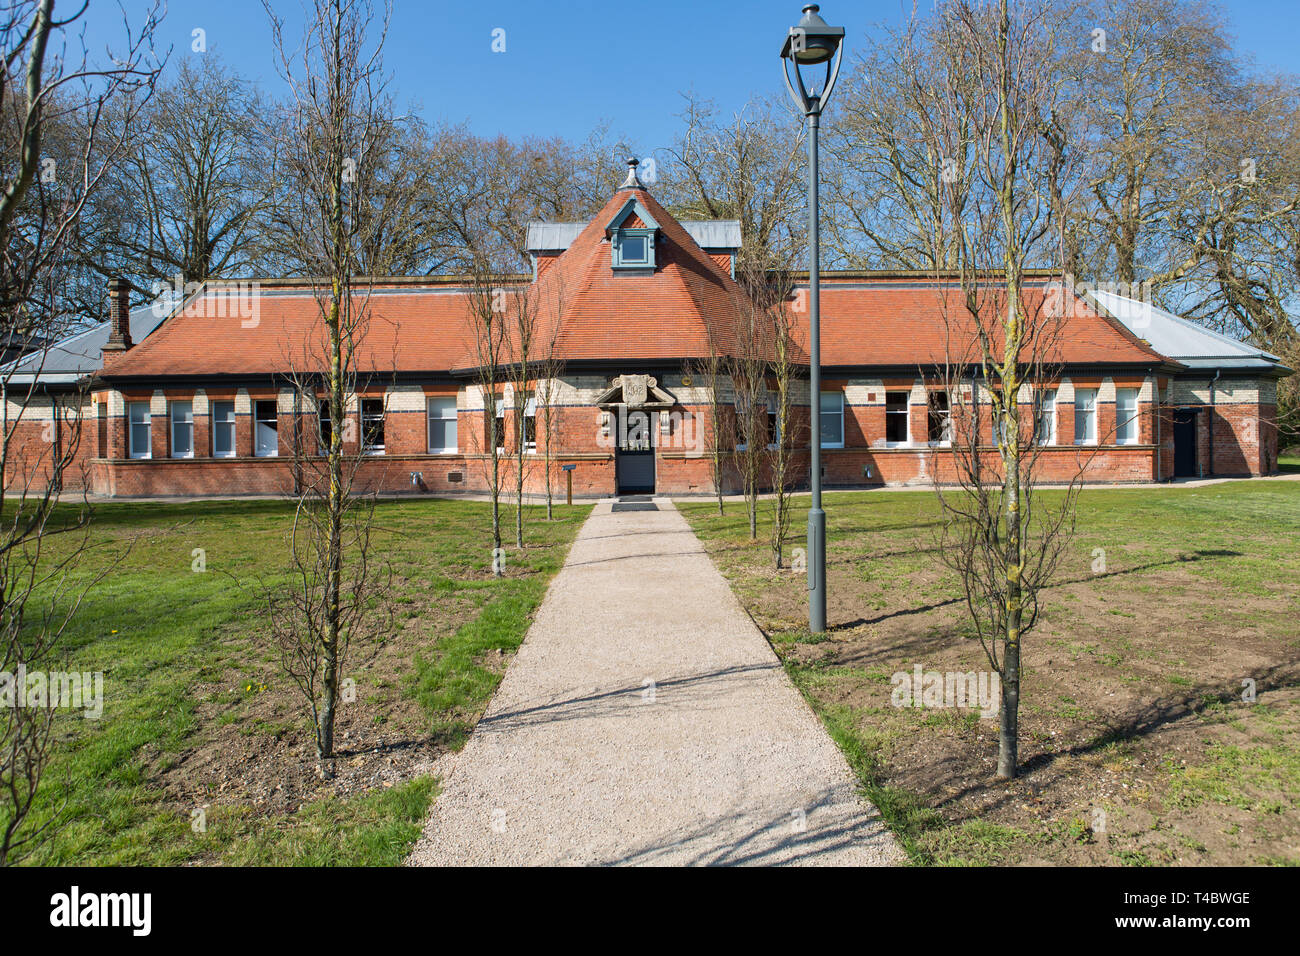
(688, 307)
(901, 322)
(419, 328)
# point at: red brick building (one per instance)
(632, 302)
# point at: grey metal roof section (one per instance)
(1177, 338)
(558, 236)
(715, 233)
(81, 354)
(552, 236)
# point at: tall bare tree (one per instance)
(887, 186)
(191, 196)
(331, 127)
(745, 167)
(46, 85)
(1002, 539)
(1236, 238)
(1151, 75)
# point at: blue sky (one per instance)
(569, 65)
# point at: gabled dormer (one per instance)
(632, 230)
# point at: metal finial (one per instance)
(632, 181)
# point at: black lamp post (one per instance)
(812, 43)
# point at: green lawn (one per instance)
(203, 754)
(1132, 711)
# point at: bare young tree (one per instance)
(785, 368)
(763, 370)
(522, 307)
(709, 373)
(489, 333)
(336, 111)
(743, 167)
(747, 368)
(1002, 539)
(43, 194)
(550, 366)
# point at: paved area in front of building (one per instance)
(645, 720)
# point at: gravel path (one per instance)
(646, 720)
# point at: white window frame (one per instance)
(1089, 413)
(907, 418)
(216, 425)
(839, 397)
(367, 449)
(739, 406)
(773, 420)
(1046, 416)
(131, 424)
(440, 402)
(173, 423)
(1124, 425)
(530, 411)
(258, 449)
(945, 434)
(323, 422)
(500, 418)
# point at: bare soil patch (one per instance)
(253, 747)
(1137, 746)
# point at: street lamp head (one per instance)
(812, 40)
(811, 43)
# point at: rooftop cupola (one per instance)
(633, 181)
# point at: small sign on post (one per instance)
(568, 474)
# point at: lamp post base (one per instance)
(816, 570)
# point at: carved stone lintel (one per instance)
(636, 389)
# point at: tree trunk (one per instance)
(546, 426)
(334, 527)
(519, 482)
(496, 489)
(1007, 740)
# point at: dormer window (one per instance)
(634, 249)
(632, 230)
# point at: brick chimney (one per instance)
(119, 315)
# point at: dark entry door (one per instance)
(634, 460)
(1184, 443)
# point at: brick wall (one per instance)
(1243, 437)
(46, 431)
(1236, 422)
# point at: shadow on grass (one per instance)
(924, 608)
(1138, 723)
